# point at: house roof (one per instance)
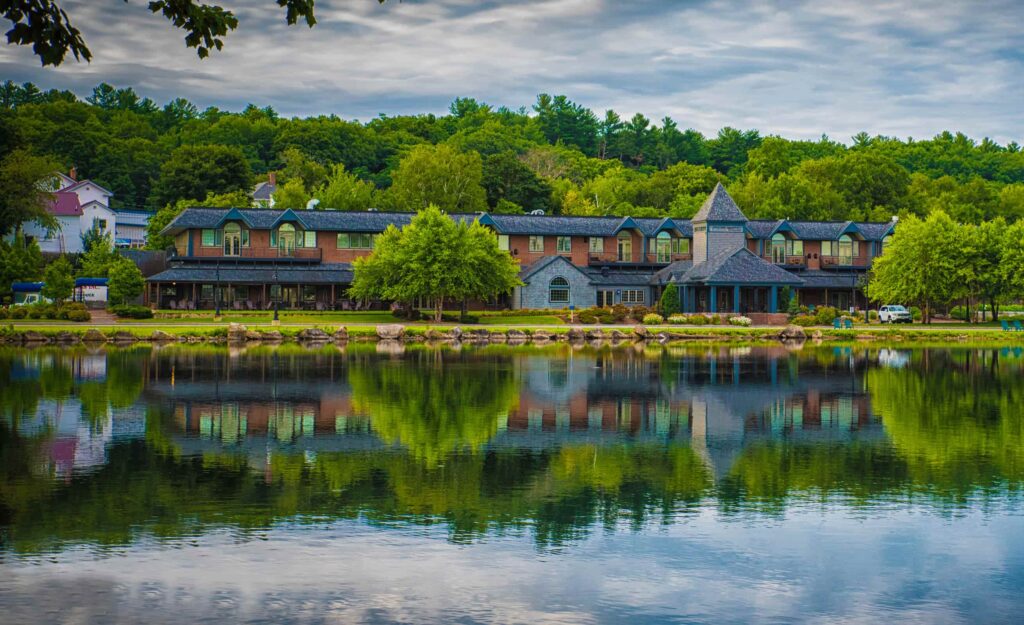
(65, 204)
(611, 277)
(329, 273)
(263, 191)
(818, 230)
(719, 206)
(739, 266)
(817, 279)
(544, 262)
(82, 183)
(674, 271)
(132, 217)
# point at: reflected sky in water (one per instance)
(502, 484)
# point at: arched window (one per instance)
(625, 240)
(286, 238)
(558, 291)
(663, 247)
(233, 239)
(846, 248)
(778, 248)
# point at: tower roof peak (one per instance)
(719, 207)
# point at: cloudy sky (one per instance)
(798, 69)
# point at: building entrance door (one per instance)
(605, 298)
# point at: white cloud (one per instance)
(797, 69)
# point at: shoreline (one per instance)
(35, 333)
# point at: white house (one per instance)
(263, 193)
(131, 227)
(78, 205)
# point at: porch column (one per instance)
(684, 299)
(773, 299)
(714, 299)
(736, 298)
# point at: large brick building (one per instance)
(719, 260)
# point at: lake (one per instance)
(500, 484)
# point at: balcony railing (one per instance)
(789, 261)
(257, 254)
(843, 261)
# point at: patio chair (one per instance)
(192, 304)
(319, 306)
(1006, 325)
(237, 305)
(174, 306)
(248, 305)
(1017, 326)
(837, 323)
(848, 323)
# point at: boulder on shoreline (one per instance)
(92, 335)
(159, 336)
(341, 335)
(792, 333)
(390, 331)
(313, 335)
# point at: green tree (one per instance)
(20, 261)
(1012, 260)
(22, 198)
(97, 261)
(292, 194)
(669, 302)
(59, 282)
(297, 164)
(438, 258)
(505, 177)
(345, 191)
(193, 172)
(440, 176)
(126, 281)
(921, 265)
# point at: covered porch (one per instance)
(292, 288)
(736, 282)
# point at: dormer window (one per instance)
(778, 248)
(663, 247)
(235, 238)
(625, 245)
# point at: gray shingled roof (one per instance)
(618, 278)
(263, 191)
(674, 271)
(554, 225)
(316, 274)
(544, 261)
(816, 279)
(739, 267)
(132, 218)
(719, 207)
(819, 230)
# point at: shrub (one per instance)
(915, 312)
(677, 320)
(715, 319)
(587, 316)
(653, 319)
(804, 320)
(740, 321)
(639, 312)
(132, 311)
(698, 320)
(409, 314)
(35, 312)
(49, 312)
(606, 318)
(873, 315)
(825, 315)
(4, 314)
(19, 312)
(620, 312)
(78, 315)
(793, 308)
(669, 300)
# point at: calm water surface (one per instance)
(512, 485)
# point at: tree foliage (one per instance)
(435, 258)
(59, 280)
(20, 261)
(126, 281)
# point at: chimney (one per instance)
(272, 178)
(73, 174)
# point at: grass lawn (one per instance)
(526, 320)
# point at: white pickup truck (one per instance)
(894, 314)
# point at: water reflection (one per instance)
(114, 449)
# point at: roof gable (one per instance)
(739, 267)
(719, 206)
(233, 215)
(82, 183)
(548, 261)
(287, 216)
